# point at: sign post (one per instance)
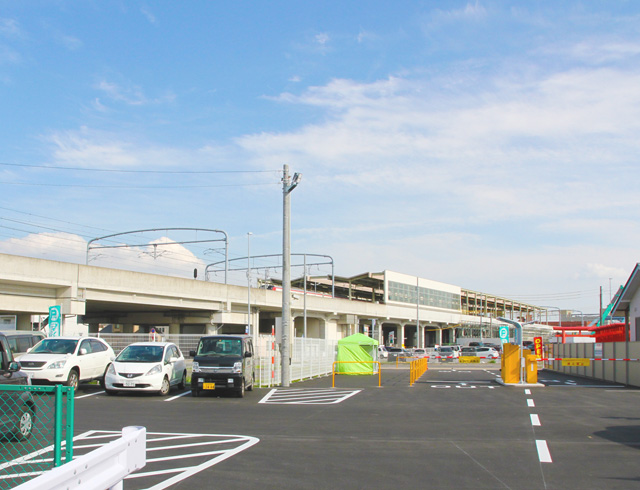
(504, 334)
(537, 343)
(55, 321)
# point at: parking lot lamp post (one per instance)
(288, 184)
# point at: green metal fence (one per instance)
(36, 428)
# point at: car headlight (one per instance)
(57, 364)
(157, 369)
(195, 367)
(237, 367)
(111, 370)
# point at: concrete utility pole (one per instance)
(250, 331)
(288, 184)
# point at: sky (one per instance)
(491, 145)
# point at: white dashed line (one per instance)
(527, 392)
(543, 452)
(535, 420)
(530, 403)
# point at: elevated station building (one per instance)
(395, 308)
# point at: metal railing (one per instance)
(36, 425)
(416, 369)
(102, 468)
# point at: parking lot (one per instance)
(455, 428)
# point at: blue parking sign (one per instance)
(504, 334)
(55, 321)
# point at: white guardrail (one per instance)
(103, 468)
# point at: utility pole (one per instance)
(288, 184)
(249, 331)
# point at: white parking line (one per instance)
(177, 396)
(535, 420)
(527, 392)
(90, 394)
(543, 452)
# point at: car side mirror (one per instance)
(248, 354)
(83, 352)
(173, 359)
(14, 366)
(192, 353)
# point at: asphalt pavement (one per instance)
(455, 428)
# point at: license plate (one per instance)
(208, 386)
(129, 384)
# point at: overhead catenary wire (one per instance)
(116, 170)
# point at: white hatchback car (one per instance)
(147, 366)
(67, 360)
(487, 353)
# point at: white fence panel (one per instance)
(310, 358)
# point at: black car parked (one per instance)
(17, 408)
(223, 362)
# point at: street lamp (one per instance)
(288, 184)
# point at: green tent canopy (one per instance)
(358, 351)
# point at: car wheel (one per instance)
(73, 379)
(183, 382)
(165, 387)
(25, 424)
(103, 379)
(241, 390)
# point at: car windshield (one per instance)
(55, 346)
(141, 353)
(220, 347)
(446, 349)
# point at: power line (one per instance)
(173, 186)
(113, 170)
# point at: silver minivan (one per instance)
(21, 341)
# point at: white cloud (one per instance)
(70, 42)
(602, 271)
(149, 15)
(10, 28)
(322, 39)
(159, 256)
(90, 148)
(53, 246)
(131, 95)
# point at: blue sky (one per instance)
(487, 144)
